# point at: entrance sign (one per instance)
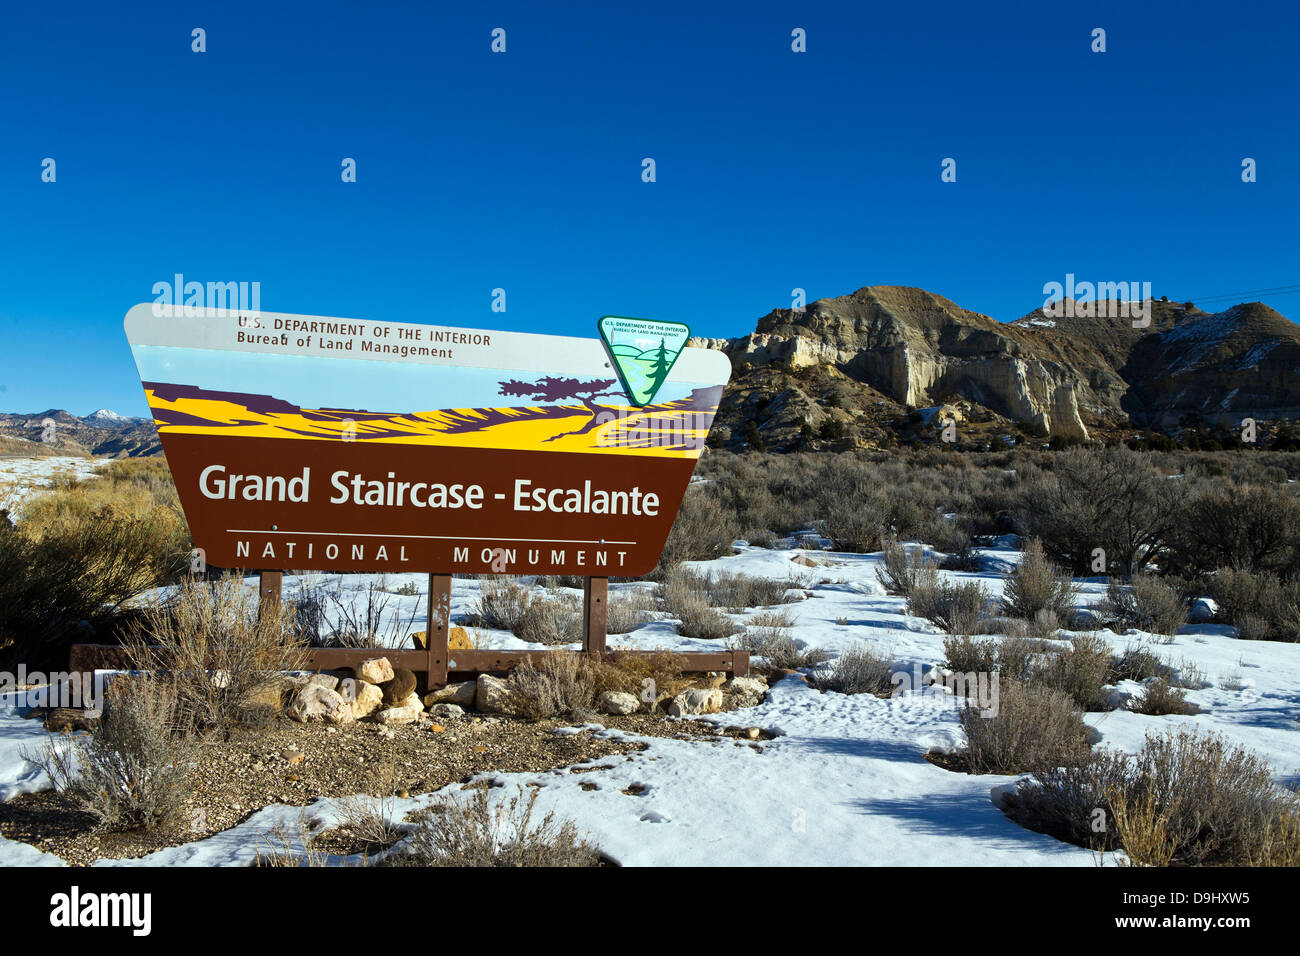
(354, 445)
(643, 352)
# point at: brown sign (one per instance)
(333, 444)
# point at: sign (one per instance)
(643, 352)
(353, 445)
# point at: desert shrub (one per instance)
(1268, 606)
(628, 609)
(1138, 662)
(955, 538)
(551, 621)
(958, 608)
(501, 604)
(858, 670)
(904, 568)
(767, 635)
(220, 647)
(360, 617)
(473, 832)
(1036, 587)
(704, 529)
(1033, 728)
(1109, 498)
(1158, 698)
(1017, 657)
(134, 770)
(1254, 528)
(1184, 799)
(1147, 604)
(655, 676)
(559, 684)
(854, 525)
(688, 597)
(1080, 671)
(964, 654)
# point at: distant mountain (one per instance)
(101, 434)
(858, 368)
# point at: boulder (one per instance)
(400, 687)
(316, 703)
(491, 695)
(697, 700)
(617, 702)
(407, 711)
(747, 691)
(457, 639)
(269, 696)
(376, 670)
(365, 697)
(328, 681)
(461, 694)
(1202, 611)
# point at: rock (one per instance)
(585, 715)
(696, 700)
(747, 691)
(328, 681)
(713, 679)
(461, 694)
(447, 711)
(1202, 611)
(457, 639)
(406, 711)
(317, 703)
(491, 695)
(400, 687)
(269, 696)
(364, 696)
(617, 702)
(376, 670)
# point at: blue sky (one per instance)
(522, 170)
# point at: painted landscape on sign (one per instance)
(570, 414)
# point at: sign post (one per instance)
(353, 445)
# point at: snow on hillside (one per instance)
(19, 477)
(844, 781)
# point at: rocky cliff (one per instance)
(900, 349)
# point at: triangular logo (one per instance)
(643, 352)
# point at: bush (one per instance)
(1138, 663)
(1080, 671)
(859, 670)
(134, 770)
(1034, 728)
(560, 684)
(475, 833)
(1184, 799)
(956, 608)
(551, 622)
(704, 529)
(904, 569)
(628, 609)
(964, 654)
(501, 604)
(767, 636)
(1159, 698)
(650, 677)
(1035, 587)
(1148, 604)
(1260, 604)
(219, 649)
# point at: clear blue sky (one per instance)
(523, 170)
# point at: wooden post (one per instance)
(439, 627)
(595, 596)
(268, 591)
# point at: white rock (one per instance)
(315, 703)
(461, 694)
(697, 700)
(448, 711)
(407, 712)
(492, 695)
(377, 670)
(364, 696)
(617, 702)
(328, 681)
(749, 690)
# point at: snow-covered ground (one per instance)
(844, 781)
(19, 477)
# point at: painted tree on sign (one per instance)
(556, 389)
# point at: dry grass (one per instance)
(652, 677)
(1159, 698)
(218, 651)
(1034, 728)
(561, 683)
(767, 635)
(1081, 671)
(1147, 604)
(858, 670)
(957, 608)
(475, 832)
(134, 770)
(904, 569)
